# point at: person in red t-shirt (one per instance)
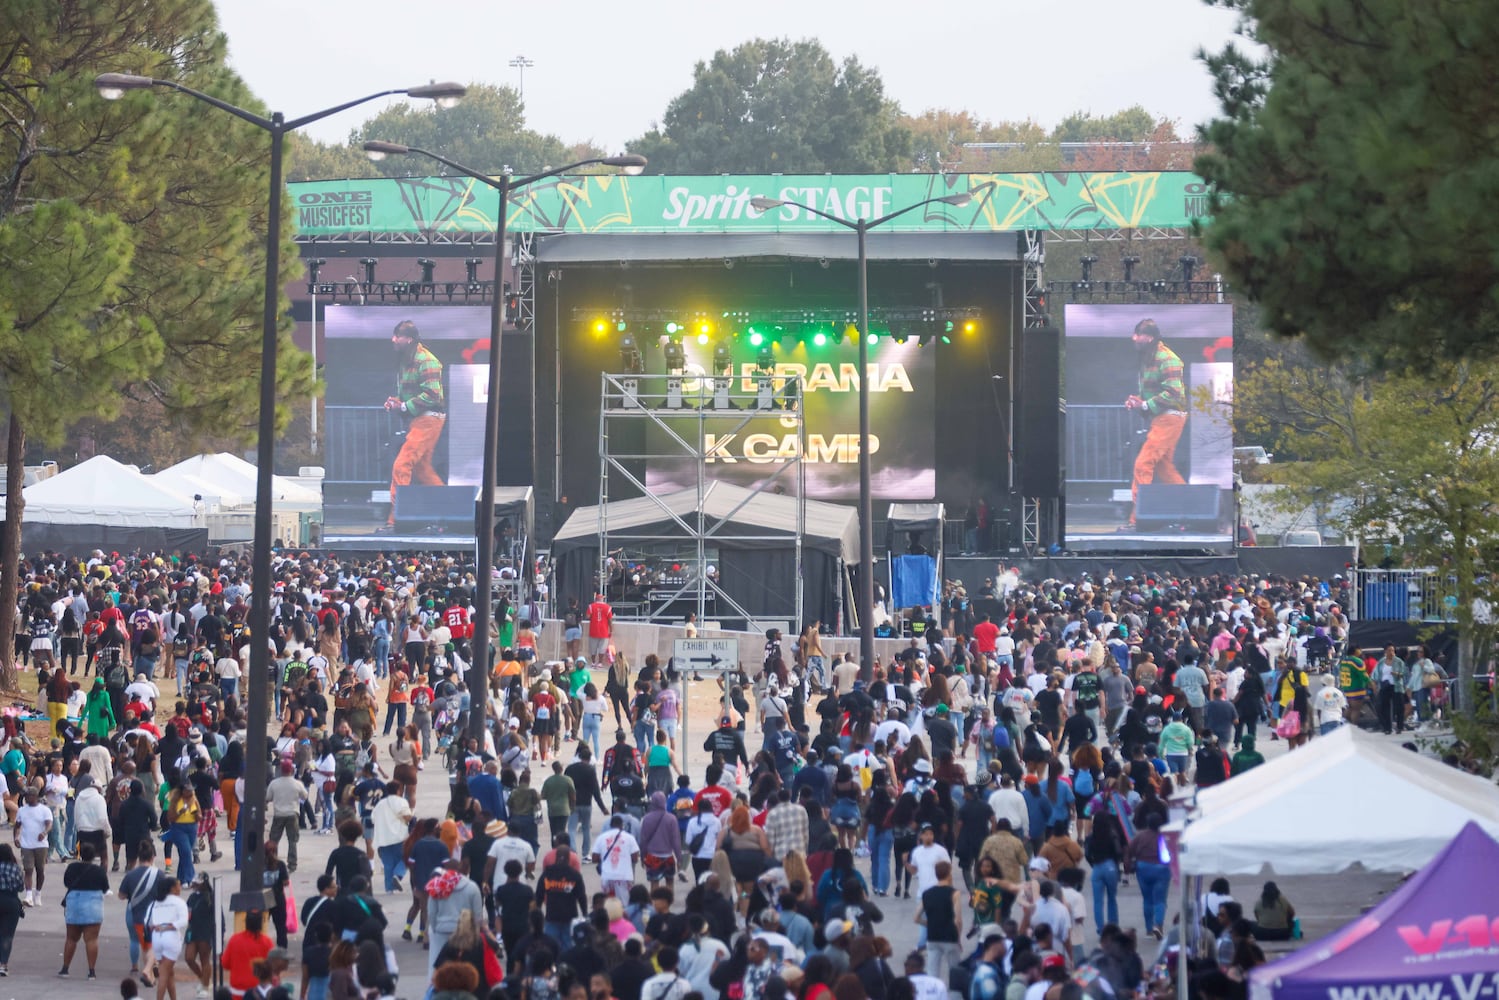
(600, 623)
(241, 952)
(456, 618)
(985, 633)
(720, 798)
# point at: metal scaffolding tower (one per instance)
(693, 418)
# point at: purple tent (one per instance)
(1436, 936)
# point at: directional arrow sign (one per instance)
(706, 654)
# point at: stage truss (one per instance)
(713, 404)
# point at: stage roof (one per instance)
(449, 207)
(830, 528)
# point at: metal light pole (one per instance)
(252, 817)
(865, 596)
(522, 64)
(484, 597)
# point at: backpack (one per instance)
(1082, 783)
(1001, 737)
(296, 670)
(570, 620)
(696, 843)
(117, 676)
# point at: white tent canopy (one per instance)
(830, 527)
(231, 480)
(102, 491)
(1345, 798)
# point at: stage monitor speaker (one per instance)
(443, 508)
(1161, 505)
(1039, 409)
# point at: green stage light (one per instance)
(819, 338)
(755, 337)
(873, 338)
(948, 327)
(946, 339)
(622, 326)
(672, 328)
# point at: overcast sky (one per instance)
(606, 71)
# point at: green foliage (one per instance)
(1349, 171)
(1133, 124)
(778, 106)
(1410, 455)
(156, 234)
(310, 160)
(486, 131)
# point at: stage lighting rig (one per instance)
(676, 358)
(630, 360)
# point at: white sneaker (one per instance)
(202, 993)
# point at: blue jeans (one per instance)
(1106, 883)
(395, 715)
(557, 931)
(317, 988)
(135, 945)
(228, 685)
(382, 657)
(588, 732)
(645, 738)
(881, 844)
(1155, 883)
(327, 801)
(182, 683)
(580, 822)
(183, 835)
(390, 861)
(1329, 727)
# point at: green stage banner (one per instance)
(721, 204)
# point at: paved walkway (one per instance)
(1323, 903)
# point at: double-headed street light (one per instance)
(484, 597)
(252, 817)
(865, 597)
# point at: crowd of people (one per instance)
(998, 768)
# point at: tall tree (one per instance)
(1409, 455)
(487, 131)
(778, 106)
(1352, 164)
(130, 248)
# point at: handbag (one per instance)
(494, 969)
(291, 912)
(1290, 724)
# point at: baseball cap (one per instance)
(1039, 864)
(1053, 961)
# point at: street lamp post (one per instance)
(484, 596)
(865, 597)
(252, 817)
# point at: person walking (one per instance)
(87, 883)
(1142, 858)
(12, 882)
(941, 915)
(167, 920)
(182, 826)
(286, 795)
(33, 821)
(138, 890)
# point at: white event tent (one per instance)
(1345, 798)
(100, 503)
(230, 481)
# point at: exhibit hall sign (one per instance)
(721, 204)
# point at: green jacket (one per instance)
(99, 713)
(1161, 384)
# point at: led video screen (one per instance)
(901, 425)
(438, 440)
(1149, 431)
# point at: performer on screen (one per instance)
(419, 398)
(1162, 401)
